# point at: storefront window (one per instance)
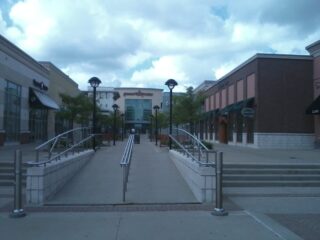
(230, 127)
(239, 126)
(38, 119)
(12, 111)
(250, 126)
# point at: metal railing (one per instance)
(73, 141)
(125, 164)
(190, 145)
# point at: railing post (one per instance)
(218, 210)
(18, 210)
(124, 183)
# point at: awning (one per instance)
(236, 107)
(44, 100)
(314, 108)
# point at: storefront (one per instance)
(261, 103)
(24, 103)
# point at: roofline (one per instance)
(136, 88)
(264, 55)
(59, 71)
(312, 45)
(15, 49)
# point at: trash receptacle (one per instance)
(137, 138)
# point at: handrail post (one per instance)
(207, 156)
(18, 210)
(218, 210)
(124, 183)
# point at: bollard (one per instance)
(18, 210)
(218, 210)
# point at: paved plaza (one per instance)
(160, 205)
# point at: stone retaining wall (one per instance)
(45, 181)
(200, 179)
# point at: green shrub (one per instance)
(209, 145)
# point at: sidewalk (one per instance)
(238, 154)
(90, 205)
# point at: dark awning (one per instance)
(314, 108)
(236, 107)
(44, 100)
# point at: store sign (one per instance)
(247, 112)
(139, 94)
(40, 85)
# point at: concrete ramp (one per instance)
(153, 179)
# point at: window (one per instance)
(12, 110)
(138, 110)
(231, 94)
(251, 86)
(239, 90)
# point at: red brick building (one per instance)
(262, 104)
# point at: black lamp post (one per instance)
(156, 108)
(171, 83)
(151, 123)
(94, 83)
(122, 121)
(115, 108)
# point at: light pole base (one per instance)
(219, 212)
(18, 213)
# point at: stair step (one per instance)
(271, 171)
(270, 166)
(271, 177)
(262, 183)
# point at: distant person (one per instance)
(133, 131)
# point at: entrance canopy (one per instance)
(314, 108)
(37, 97)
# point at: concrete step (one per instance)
(7, 174)
(271, 177)
(270, 166)
(262, 183)
(259, 171)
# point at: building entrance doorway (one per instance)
(38, 124)
(223, 130)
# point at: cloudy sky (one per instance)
(142, 43)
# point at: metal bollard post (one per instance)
(18, 210)
(218, 210)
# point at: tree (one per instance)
(163, 121)
(187, 108)
(76, 109)
(116, 96)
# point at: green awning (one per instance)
(236, 107)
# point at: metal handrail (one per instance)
(55, 140)
(201, 163)
(200, 153)
(65, 152)
(193, 136)
(125, 164)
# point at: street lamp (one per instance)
(151, 123)
(115, 108)
(94, 83)
(171, 83)
(122, 120)
(156, 108)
